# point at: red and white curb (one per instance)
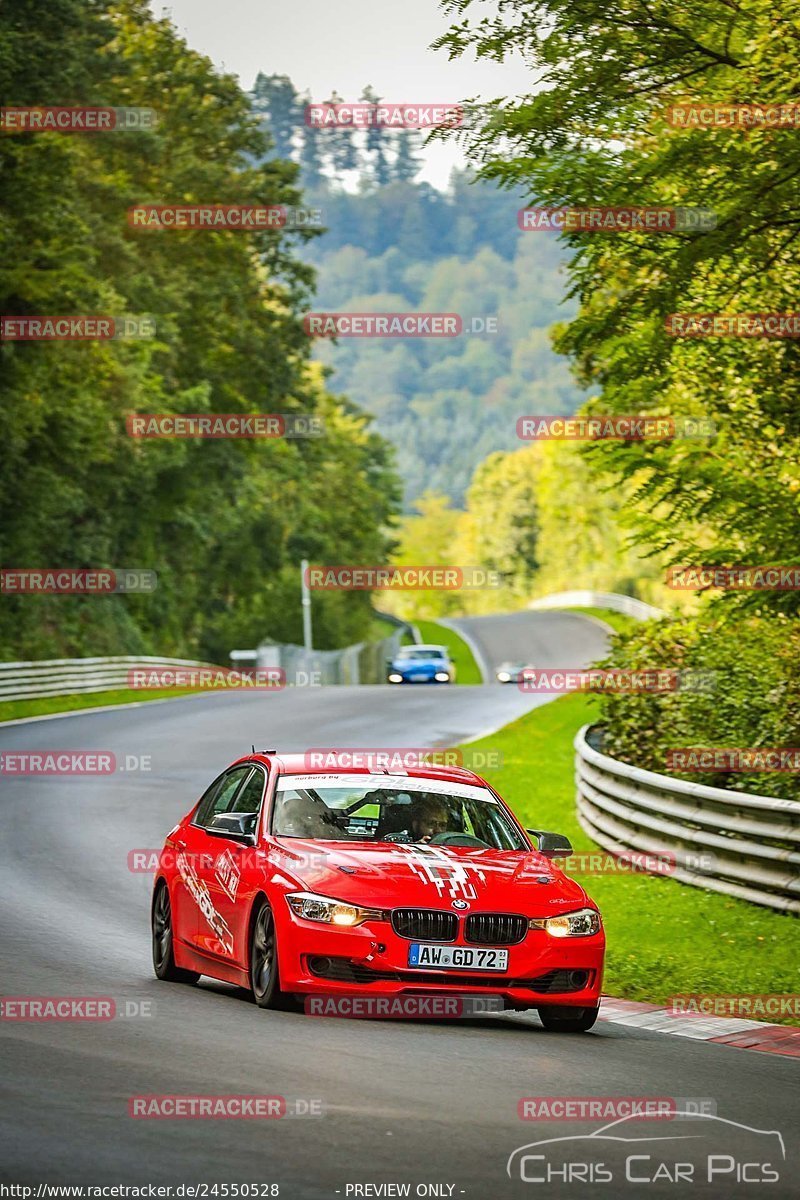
(727, 1031)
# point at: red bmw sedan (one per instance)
(294, 882)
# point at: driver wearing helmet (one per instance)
(430, 816)
(299, 816)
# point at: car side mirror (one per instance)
(239, 826)
(552, 845)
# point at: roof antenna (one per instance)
(252, 747)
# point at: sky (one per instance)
(324, 46)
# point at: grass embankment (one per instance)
(439, 635)
(663, 937)
(11, 710)
(619, 622)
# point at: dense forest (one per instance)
(224, 523)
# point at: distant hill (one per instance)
(397, 245)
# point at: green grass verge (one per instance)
(619, 622)
(439, 635)
(663, 937)
(11, 710)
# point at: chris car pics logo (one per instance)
(700, 1148)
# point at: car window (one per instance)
(220, 796)
(248, 800)
(415, 654)
(382, 808)
(206, 800)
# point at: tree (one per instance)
(598, 133)
(342, 147)
(276, 101)
(311, 151)
(429, 537)
(503, 517)
(407, 162)
(376, 143)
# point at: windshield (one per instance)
(381, 808)
(422, 652)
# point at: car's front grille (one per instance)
(427, 924)
(495, 929)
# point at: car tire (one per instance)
(163, 948)
(567, 1020)
(263, 961)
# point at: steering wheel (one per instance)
(457, 839)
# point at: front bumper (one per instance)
(373, 959)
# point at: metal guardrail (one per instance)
(587, 599)
(735, 843)
(364, 662)
(66, 676)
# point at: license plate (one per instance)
(417, 678)
(464, 958)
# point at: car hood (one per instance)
(422, 876)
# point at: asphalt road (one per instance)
(543, 639)
(423, 1103)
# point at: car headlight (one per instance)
(577, 924)
(395, 678)
(330, 912)
(442, 677)
(503, 677)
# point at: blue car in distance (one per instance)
(421, 664)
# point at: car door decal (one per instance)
(202, 898)
(226, 870)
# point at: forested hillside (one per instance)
(393, 244)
